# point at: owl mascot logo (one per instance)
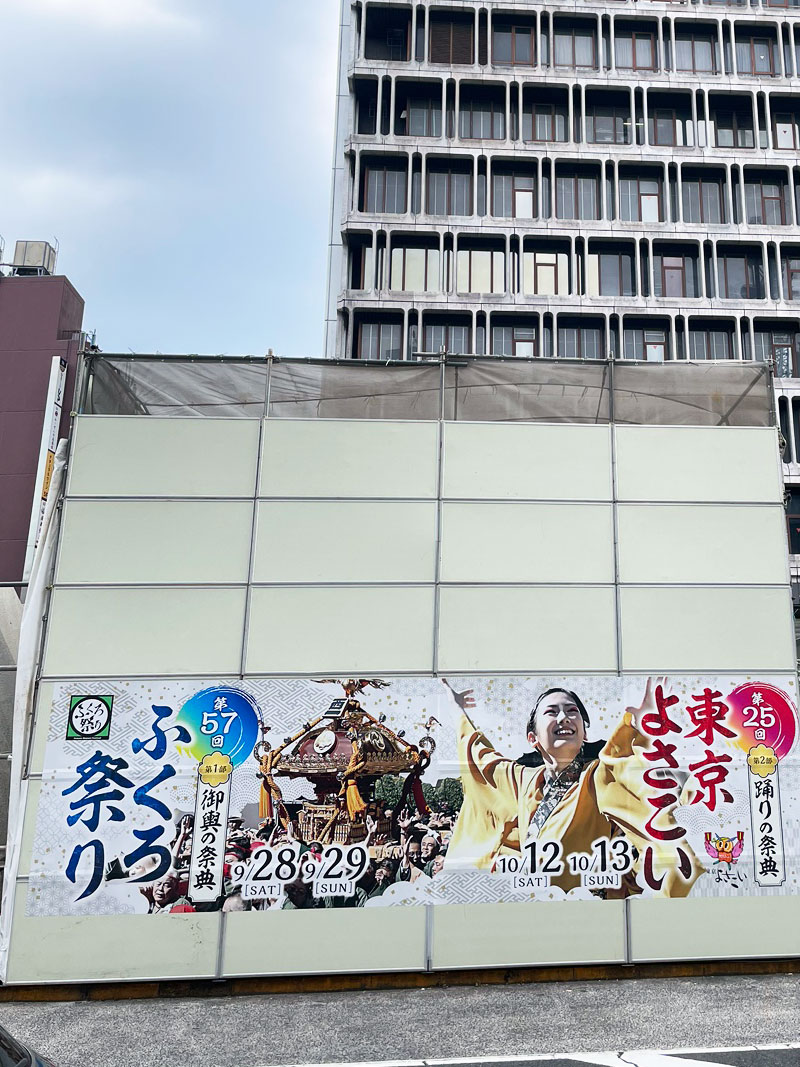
(724, 849)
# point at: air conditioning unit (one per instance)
(34, 258)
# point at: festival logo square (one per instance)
(89, 718)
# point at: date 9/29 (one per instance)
(285, 864)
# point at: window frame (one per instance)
(693, 39)
(788, 273)
(514, 29)
(635, 36)
(450, 175)
(764, 200)
(574, 179)
(573, 32)
(707, 334)
(470, 109)
(447, 327)
(381, 325)
(580, 341)
(384, 170)
(637, 181)
(451, 24)
(517, 340)
(491, 252)
(428, 270)
(701, 183)
(777, 121)
(669, 271)
(619, 115)
(722, 264)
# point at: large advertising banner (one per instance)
(159, 797)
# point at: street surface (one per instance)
(575, 1022)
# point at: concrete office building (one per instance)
(622, 179)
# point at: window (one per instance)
(451, 40)
(702, 200)
(388, 35)
(755, 56)
(514, 196)
(380, 340)
(580, 342)
(577, 197)
(664, 127)
(733, 130)
(544, 122)
(650, 345)
(764, 202)
(514, 341)
(741, 276)
(610, 274)
(449, 192)
(710, 343)
(545, 273)
(640, 200)
(675, 275)
(778, 347)
(791, 277)
(415, 269)
(784, 130)
(574, 48)
(481, 271)
(482, 117)
(696, 54)
(514, 44)
(636, 51)
(608, 125)
(453, 338)
(421, 117)
(793, 521)
(384, 189)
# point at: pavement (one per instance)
(563, 1019)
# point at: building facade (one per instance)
(619, 179)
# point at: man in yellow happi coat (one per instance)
(567, 790)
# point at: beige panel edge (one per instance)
(714, 928)
(161, 542)
(528, 933)
(96, 948)
(325, 941)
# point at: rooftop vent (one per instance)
(33, 258)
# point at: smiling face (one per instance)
(559, 729)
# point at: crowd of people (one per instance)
(402, 847)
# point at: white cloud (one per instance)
(53, 193)
(111, 14)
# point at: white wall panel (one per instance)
(717, 928)
(97, 948)
(155, 541)
(519, 934)
(696, 543)
(338, 541)
(332, 940)
(688, 628)
(320, 630)
(698, 463)
(340, 458)
(527, 629)
(526, 461)
(117, 632)
(136, 456)
(517, 542)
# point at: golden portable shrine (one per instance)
(342, 753)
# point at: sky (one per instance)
(180, 151)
